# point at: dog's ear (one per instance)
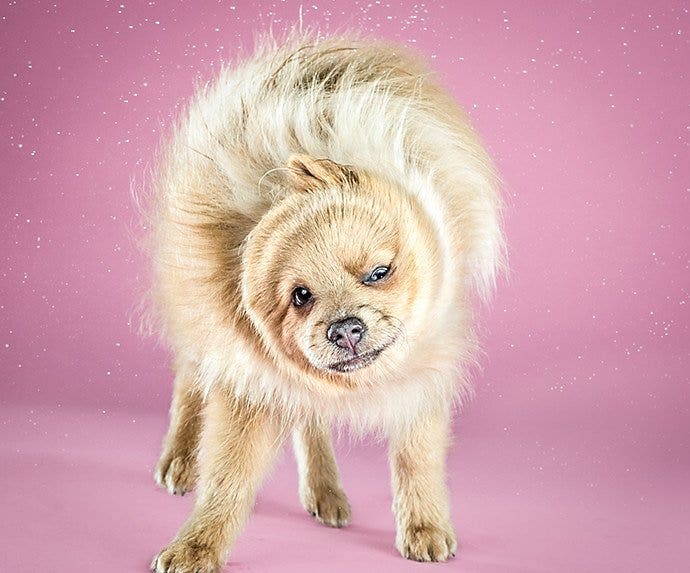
(309, 173)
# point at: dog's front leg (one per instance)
(420, 496)
(238, 443)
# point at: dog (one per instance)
(324, 217)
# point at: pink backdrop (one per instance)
(574, 454)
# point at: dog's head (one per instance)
(339, 275)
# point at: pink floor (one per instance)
(79, 492)
(575, 454)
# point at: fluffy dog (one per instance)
(323, 215)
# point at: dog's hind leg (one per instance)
(176, 469)
(319, 484)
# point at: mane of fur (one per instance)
(354, 101)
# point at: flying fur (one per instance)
(356, 102)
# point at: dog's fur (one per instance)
(310, 165)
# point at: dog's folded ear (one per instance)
(310, 174)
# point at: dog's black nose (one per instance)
(346, 333)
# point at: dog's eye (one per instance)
(301, 296)
(376, 275)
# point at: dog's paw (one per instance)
(176, 473)
(426, 542)
(328, 506)
(186, 557)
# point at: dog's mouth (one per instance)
(358, 361)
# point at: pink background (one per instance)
(573, 455)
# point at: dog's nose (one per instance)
(346, 333)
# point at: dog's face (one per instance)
(338, 275)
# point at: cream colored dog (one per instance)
(323, 213)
